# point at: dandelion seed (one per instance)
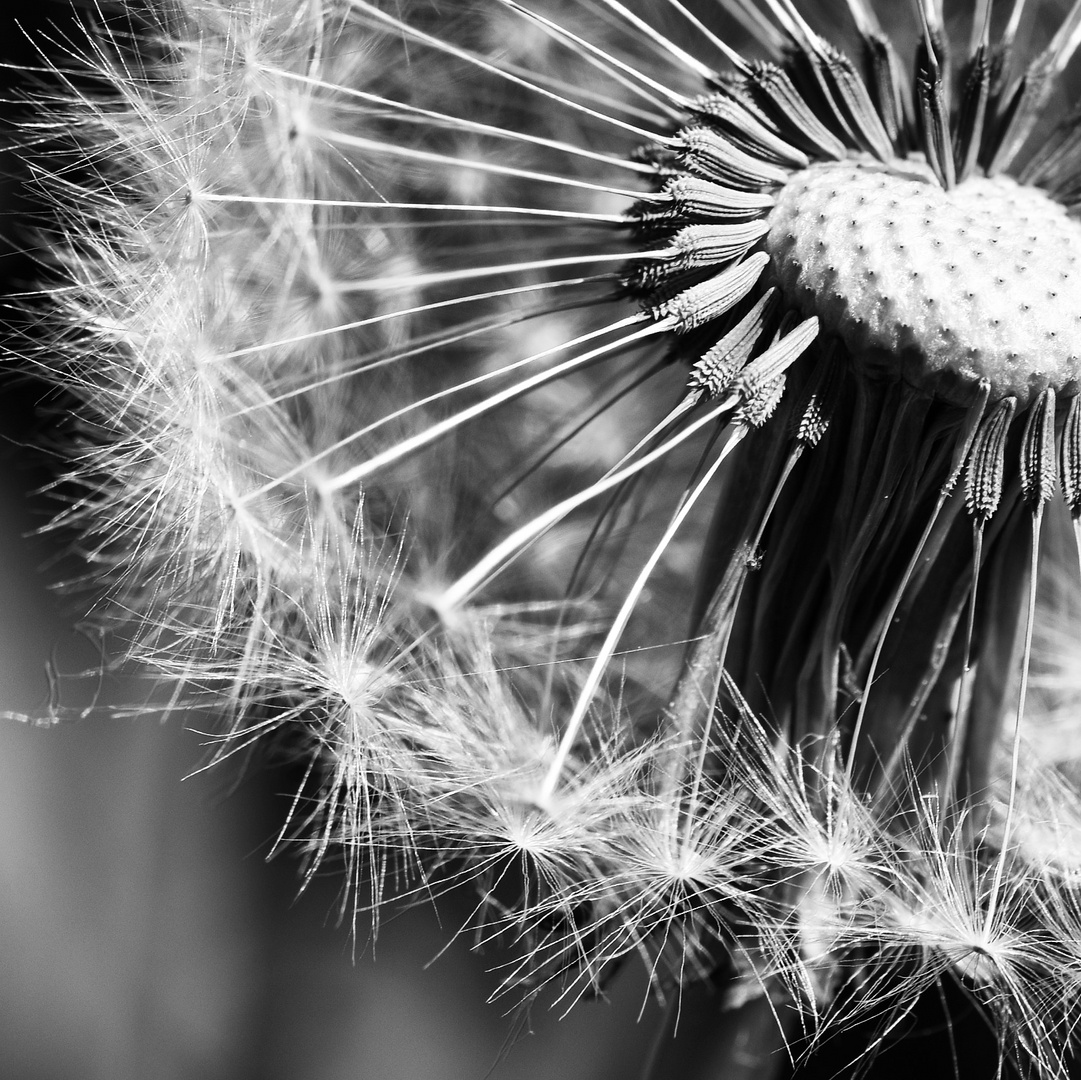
(623, 461)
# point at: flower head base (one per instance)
(977, 283)
(621, 474)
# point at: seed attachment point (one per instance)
(986, 463)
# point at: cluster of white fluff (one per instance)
(277, 240)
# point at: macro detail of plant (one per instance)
(628, 453)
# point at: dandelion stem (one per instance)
(610, 61)
(1015, 754)
(699, 685)
(431, 157)
(959, 725)
(439, 430)
(376, 204)
(424, 345)
(684, 58)
(1010, 32)
(464, 54)
(566, 435)
(729, 54)
(961, 452)
(372, 320)
(622, 617)
(470, 582)
(471, 273)
(981, 25)
(461, 124)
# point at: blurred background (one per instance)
(143, 934)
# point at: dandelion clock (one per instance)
(630, 456)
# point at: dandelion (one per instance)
(616, 444)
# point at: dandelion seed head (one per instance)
(616, 462)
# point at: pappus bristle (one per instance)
(673, 889)
(830, 855)
(483, 815)
(954, 914)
